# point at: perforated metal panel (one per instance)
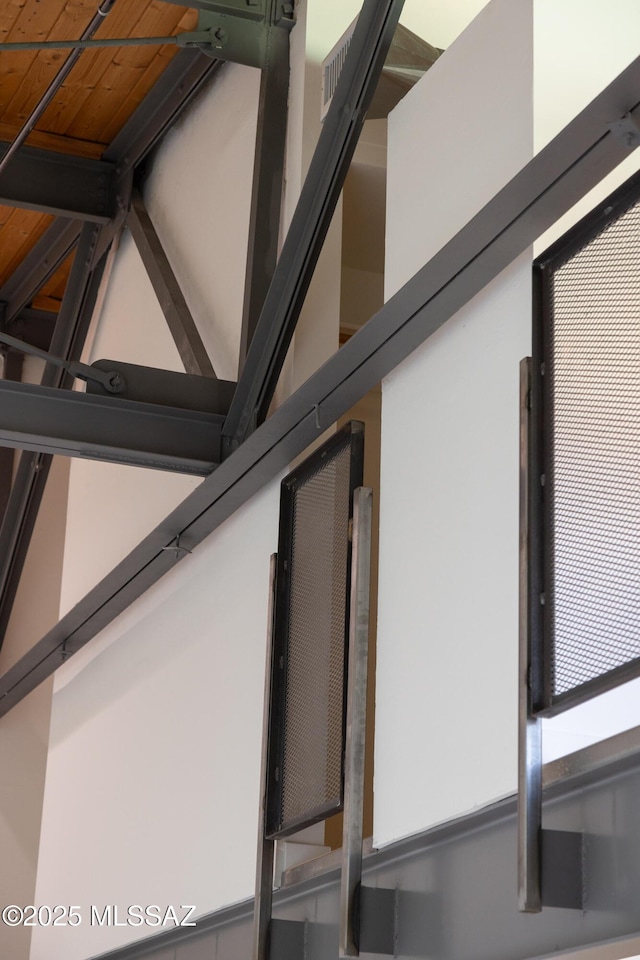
(591, 356)
(310, 644)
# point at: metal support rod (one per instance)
(167, 289)
(203, 36)
(110, 381)
(369, 47)
(356, 720)
(266, 847)
(529, 727)
(62, 74)
(268, 178)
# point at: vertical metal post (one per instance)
(529, 726)
(268, 180)
(356, 719)
(266, 848)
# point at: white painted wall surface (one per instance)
(447, 627)
(152, 781)
(24, 731)
(580, 46)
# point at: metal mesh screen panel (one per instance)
(311, 632)
(593, 374)
(314, 695)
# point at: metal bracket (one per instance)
(234, 38)
(288, 939)
(375, 920)
(626, 131)
(186, 391)
(562, 874)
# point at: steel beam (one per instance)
(268, 178)
(560, 175)
(59, 183)
(167, 289)
(187, 74)
(12, 370)
(39, 265)
(369, 47)
(50, 420)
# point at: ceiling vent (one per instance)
(408, 60)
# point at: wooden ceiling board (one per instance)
(20, 232)
(91, 110)
(50, 296)
(32, 21)
(91, 66)
(51, 141)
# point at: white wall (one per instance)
(152, 781)
(447, 626)
(24, 732)
(580, 46)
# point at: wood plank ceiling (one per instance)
(98, 96)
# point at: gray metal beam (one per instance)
(574, 162)
(268, 178)
(452, 889)
(49, 420)
(38, 266)
(337, 142)
(60, 184)
(12, 370)
(167, 289)
(177, 87)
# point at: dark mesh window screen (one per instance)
(312, 612)
(592, 413)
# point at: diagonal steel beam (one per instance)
(177, 87)
(38, 266)
(268, 177)
(167, 289)
(369, 47)
(557, 178)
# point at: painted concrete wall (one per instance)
(24, 732)
(447, 624)
(449, 593)
(152, 781)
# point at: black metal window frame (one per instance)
(541, 462)
(351, 436)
